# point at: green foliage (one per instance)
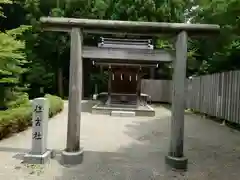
(49, 51)
(56, 104)
(220, 53)
(14, 120)
(4, 2)
(11, 58)
(17, 99)
(12, 61)
(99, 80)
(19, 118)
(45, 54)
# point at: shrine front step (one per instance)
(123, 113)
(116, 103)
(106, 110)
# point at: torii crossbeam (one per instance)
(73, 153)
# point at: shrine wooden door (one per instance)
(124, 81)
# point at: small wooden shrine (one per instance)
(124, 84)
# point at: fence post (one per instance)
(39, 153)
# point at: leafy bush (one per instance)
(18, 119)
(20, 100)
(56, 104)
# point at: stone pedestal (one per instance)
(37, 159)
(72, 158)
(177, 163)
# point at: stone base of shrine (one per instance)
(143, 110)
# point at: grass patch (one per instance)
(19, 118)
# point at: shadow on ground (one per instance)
(141, 160)
(87, 105)
(213, 153)
(20, 152)
(112, 166)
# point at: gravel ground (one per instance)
(133, 148)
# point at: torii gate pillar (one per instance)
(175, 156)
(73, 154)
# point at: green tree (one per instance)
(1, 3)
(220, 53)
(48, 52)
(12, 61)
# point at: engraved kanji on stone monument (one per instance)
(38, 121)
(37, 135)
(38, 109)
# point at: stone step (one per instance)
(118, 105)
(125, 103)
(123, 113)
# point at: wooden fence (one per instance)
(216, 94)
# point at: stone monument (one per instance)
(39, 153)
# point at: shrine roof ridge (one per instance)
(135, 27)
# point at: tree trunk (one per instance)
(60, 82)
(2, 98)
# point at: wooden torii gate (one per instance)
(73, 154)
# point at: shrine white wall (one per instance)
(159, 90)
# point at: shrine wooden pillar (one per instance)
(152, 72)
(138, 88)
(175, 156)
(110, 78)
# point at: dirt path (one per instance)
(128, 148)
